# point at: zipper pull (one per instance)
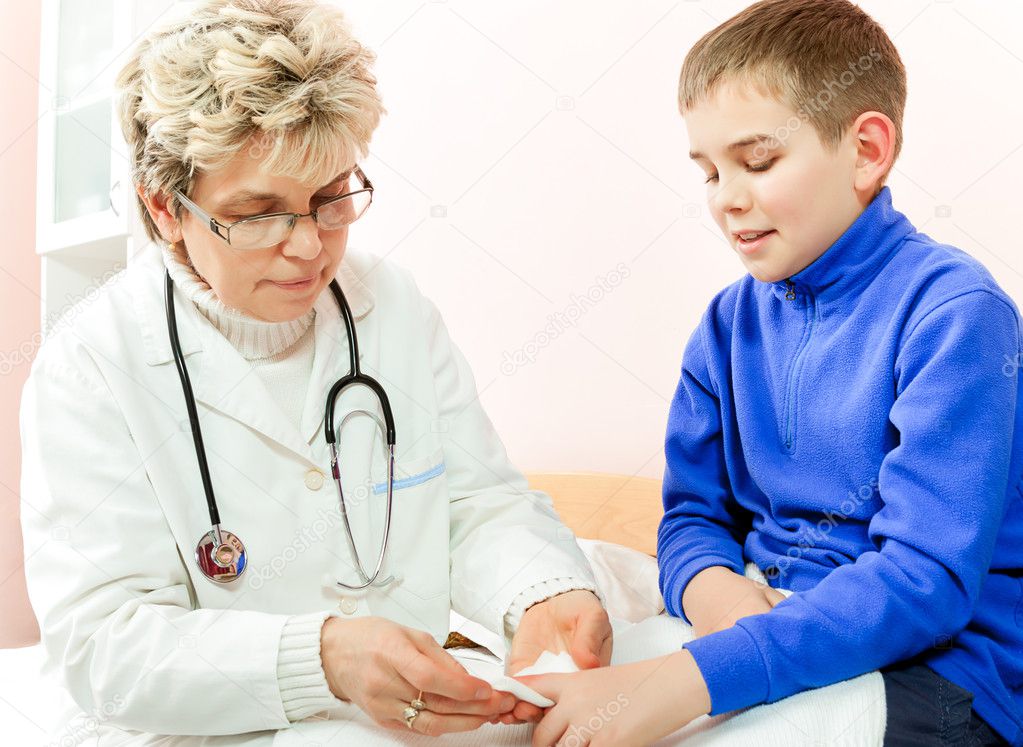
(790, 290)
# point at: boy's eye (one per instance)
(762, 166)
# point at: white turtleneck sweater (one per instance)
(281, 354)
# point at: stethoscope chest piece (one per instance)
(220, 559)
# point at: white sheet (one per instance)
(847, 713)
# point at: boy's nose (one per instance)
(732, 197)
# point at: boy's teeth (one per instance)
(751, 236)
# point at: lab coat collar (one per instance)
(222, 379)
(149, 305)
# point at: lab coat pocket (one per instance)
(410, 473)
(418, 554)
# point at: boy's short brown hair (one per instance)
(826, 59)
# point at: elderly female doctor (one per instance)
(242, 605)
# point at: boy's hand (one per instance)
(717, 597)
(630, 704)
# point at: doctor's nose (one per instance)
(304, 241)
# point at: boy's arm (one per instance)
(701, 524)
(955, 412)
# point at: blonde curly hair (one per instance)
(284, 76)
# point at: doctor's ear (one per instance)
(156, 204)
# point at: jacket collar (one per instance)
(856, 257)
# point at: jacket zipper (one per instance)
(790, 389)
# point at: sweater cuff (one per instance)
(676, 587)
(300, 675)
(539, 593)
(732, 667)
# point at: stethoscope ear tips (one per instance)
(221, 562)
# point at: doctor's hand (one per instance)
(574, 621)
(381, 666)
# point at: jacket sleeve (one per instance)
(108, 584)
(506, 540)
(954, 411)
(702, 521)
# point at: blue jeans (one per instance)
(925, 709)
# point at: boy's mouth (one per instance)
(750, 241)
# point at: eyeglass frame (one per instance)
(214, 225)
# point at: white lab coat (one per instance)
(114, 504)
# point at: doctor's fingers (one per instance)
(524, 712)
(496, 705)
(459, 684)
(423, 672)
(433, 650)
(434, 724)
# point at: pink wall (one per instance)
(19, 292)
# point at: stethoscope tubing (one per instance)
(355, 377)
(193, 415)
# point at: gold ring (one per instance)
(409, 714)
(418, 703)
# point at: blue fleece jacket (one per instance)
(857, 432)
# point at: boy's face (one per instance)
(787, 183)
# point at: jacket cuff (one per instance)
(539, 593)
(677, 585)
(732, 667)
(300, 675)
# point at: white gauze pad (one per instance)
(490, 669)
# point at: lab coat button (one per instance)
(348, 605)
(314, 479)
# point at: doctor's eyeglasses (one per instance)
(261, 231)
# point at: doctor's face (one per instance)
(280, 282)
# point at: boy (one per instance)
(846, 419)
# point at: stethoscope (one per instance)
(220, 555)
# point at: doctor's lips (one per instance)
(302, 284)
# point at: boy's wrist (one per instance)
(705, 585)
(689, 693)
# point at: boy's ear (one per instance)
(156, 204)
(875, 152)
